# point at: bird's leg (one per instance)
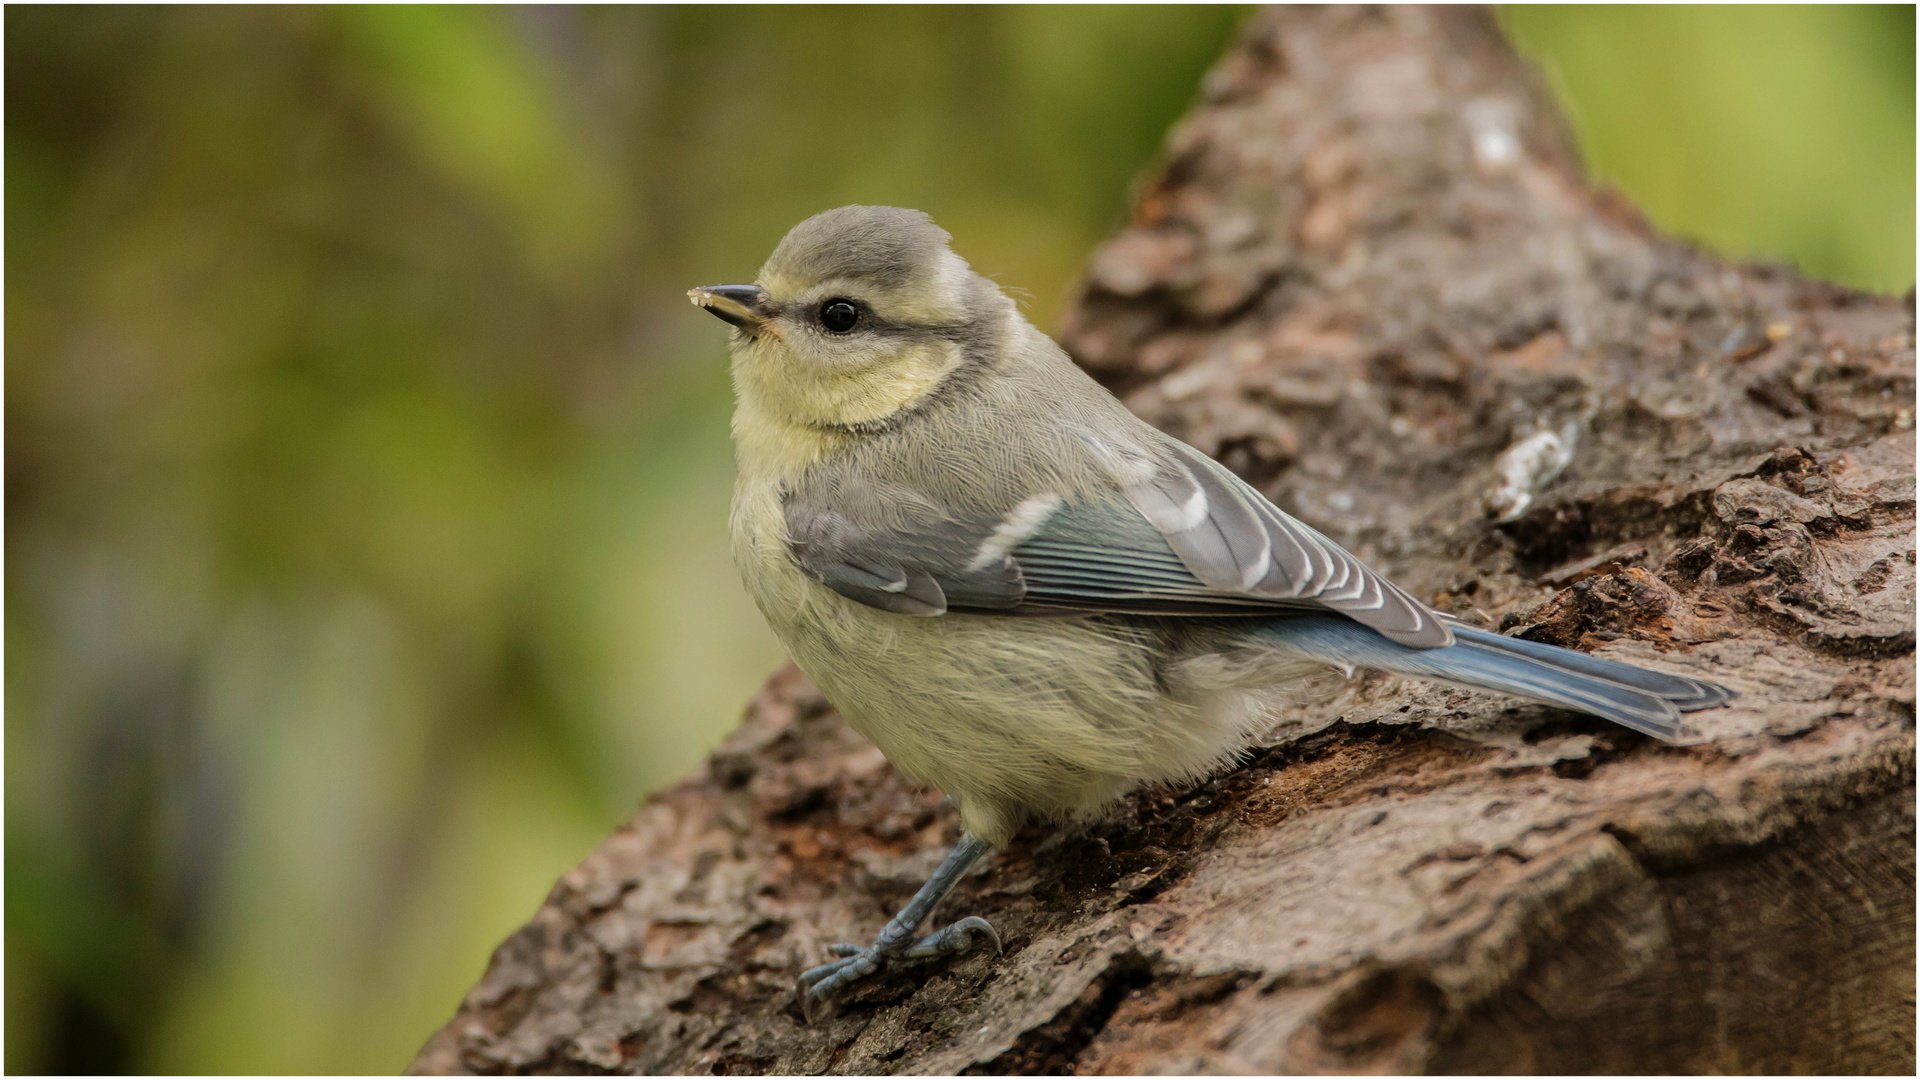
(819, 986)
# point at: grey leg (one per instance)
(820, 985)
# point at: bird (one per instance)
(1024, 595)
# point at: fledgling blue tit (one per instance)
(1023, 594)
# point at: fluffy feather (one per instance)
(909, 484)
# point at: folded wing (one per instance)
(1177, 536)
(1237, 543)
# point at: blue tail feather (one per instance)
(1686, 694)
(1646, 701)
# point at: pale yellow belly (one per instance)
(1009, 716)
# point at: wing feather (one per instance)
(1178, 535)
(1250, 547)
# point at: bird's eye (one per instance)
(839, 315)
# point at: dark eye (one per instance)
(839, 315)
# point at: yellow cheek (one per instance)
(882, 391)
(770, 445)
(805, 394)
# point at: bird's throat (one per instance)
(802, 412)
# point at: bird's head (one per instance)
(860, 314)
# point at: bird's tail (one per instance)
(1646, 701)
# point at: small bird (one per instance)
(1023, 594)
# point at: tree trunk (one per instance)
(1368, 275)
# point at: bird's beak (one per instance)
(745, 306)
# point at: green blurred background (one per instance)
(366, 470)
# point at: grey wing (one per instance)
(915, 560)
(1186, 537)
(1239, 544)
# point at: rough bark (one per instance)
(1366, 268)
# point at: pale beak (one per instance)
(745, 306)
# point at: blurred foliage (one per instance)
(367, 470)
(1779, 132)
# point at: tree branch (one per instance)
(1366, 269)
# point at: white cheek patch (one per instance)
(1019, 526)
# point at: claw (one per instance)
(808, 1003)
(960, 937)
(818, 987)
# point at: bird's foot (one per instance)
(820, 987)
